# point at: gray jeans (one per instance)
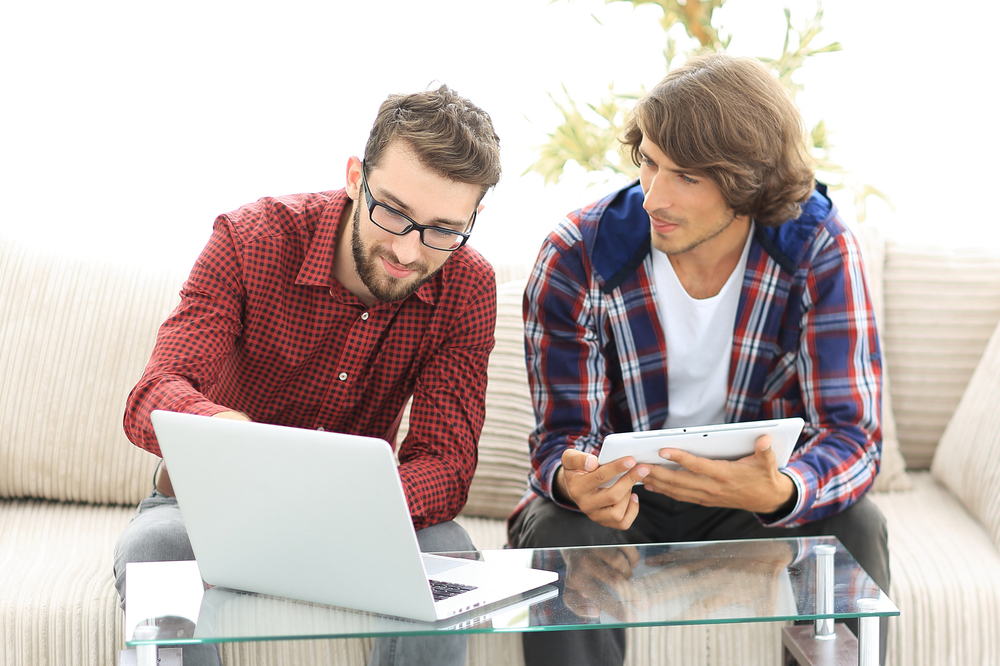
(157, 534)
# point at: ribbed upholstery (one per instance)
(75, 337)
(57, 599)
(967, 460)
(945, 580)
(941, 307)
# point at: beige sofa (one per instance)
(74, 336)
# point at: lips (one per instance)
(395, 270)
(662, 226)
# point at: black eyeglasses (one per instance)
(396, 223)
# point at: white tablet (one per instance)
(725, 441)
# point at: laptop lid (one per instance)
(309, 515)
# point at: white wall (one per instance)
(126, 126)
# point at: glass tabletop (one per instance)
(600, 586)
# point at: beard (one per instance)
(382, 286)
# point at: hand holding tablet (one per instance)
(725, 441)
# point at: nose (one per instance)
(657, 195)
(408, 247)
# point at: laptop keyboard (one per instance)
(443, 590)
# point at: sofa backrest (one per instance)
(941, 305)
(74, 338)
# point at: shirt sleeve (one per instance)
(193, 343)
(439, 454)
(565, 362)
(839, 371)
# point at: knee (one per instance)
(157, 535)
(444, 537)
(545, 524)
(862, 530)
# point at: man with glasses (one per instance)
(330, 311)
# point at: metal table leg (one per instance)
(868, 634)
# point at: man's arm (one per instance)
(838, 376)
(569, 385)
(193, 343)
(438, 456)
(839, 371)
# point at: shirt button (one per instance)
(343, 376)
(364, 317)
(321, 428)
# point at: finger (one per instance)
(620, 515)
(688, 461)
(575, 460)
(620, 559)
(608, 471)
(763, 452)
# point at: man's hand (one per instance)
(752, 483)
(599, 580)
(163, 480)
(579, 480)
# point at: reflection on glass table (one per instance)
(603, 586)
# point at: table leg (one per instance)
(868, 634)
(145, 655)
(823, 628)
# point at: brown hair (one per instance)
(729, 119)
(450, 135)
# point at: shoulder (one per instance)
(607, 239)
(796, 243)
(293, 215)
(466, 276)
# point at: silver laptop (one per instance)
(315, 516)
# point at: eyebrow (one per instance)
(398, 204)
(684, 172)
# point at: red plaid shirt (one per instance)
(264, 328)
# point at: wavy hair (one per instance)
(449, 134)
(730, 119)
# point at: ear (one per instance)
(480, 209)
(353, 178)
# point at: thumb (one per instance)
(762, 447)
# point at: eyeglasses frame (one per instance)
(413, 226)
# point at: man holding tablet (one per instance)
(721, 287)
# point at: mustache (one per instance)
(389, 255)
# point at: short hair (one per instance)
(731, 120)
(449, 134)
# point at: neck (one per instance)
(704, 269)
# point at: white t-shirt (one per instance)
(699, 336)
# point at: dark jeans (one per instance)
(860, 528)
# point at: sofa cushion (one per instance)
(945, 579)
(892, 470)
(57, 594)
(967, 460)
(941, 307)
(76, 335)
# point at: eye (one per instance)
(440, 234)
(688, 179)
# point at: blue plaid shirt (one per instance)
(804, 344)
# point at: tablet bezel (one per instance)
(724, 441)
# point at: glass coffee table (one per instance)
(797, 579)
